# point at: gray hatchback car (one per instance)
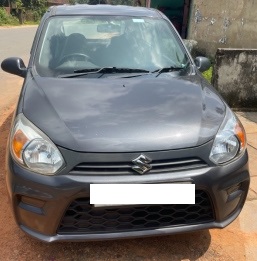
(112, 97)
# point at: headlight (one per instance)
(230, 140)
(31, 148)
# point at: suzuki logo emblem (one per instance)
(142, 164)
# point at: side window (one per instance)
(51, 44)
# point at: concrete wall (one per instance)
(235, 77)
(223, 24)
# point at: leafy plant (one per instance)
(24, 7)
(208, 74)
(6, 19)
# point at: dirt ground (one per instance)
(226, 244)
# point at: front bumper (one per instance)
(40, 202)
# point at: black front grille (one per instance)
(81, 217)
(123, 168)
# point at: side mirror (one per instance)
(202, 63)
(15, 66)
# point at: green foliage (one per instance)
(29, 9)
(4, 3)
(208, 74)
(38, 7)
(6, 19)
(19, 4)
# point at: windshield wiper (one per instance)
(135, 75)
(167, 69)
(103, 70)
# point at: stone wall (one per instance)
(223, 24)
(235, 77)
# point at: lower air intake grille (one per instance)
(81, 217)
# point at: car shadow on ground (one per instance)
(18, 246)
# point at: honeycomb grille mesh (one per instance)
(81, 217)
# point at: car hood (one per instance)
(144, 113)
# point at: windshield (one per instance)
(72, 43)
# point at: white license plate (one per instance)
(137, 194)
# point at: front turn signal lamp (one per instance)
(230, 140)
(32, 149)
(19, 141)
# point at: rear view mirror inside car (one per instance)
(108, 28)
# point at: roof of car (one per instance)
(103, 10)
